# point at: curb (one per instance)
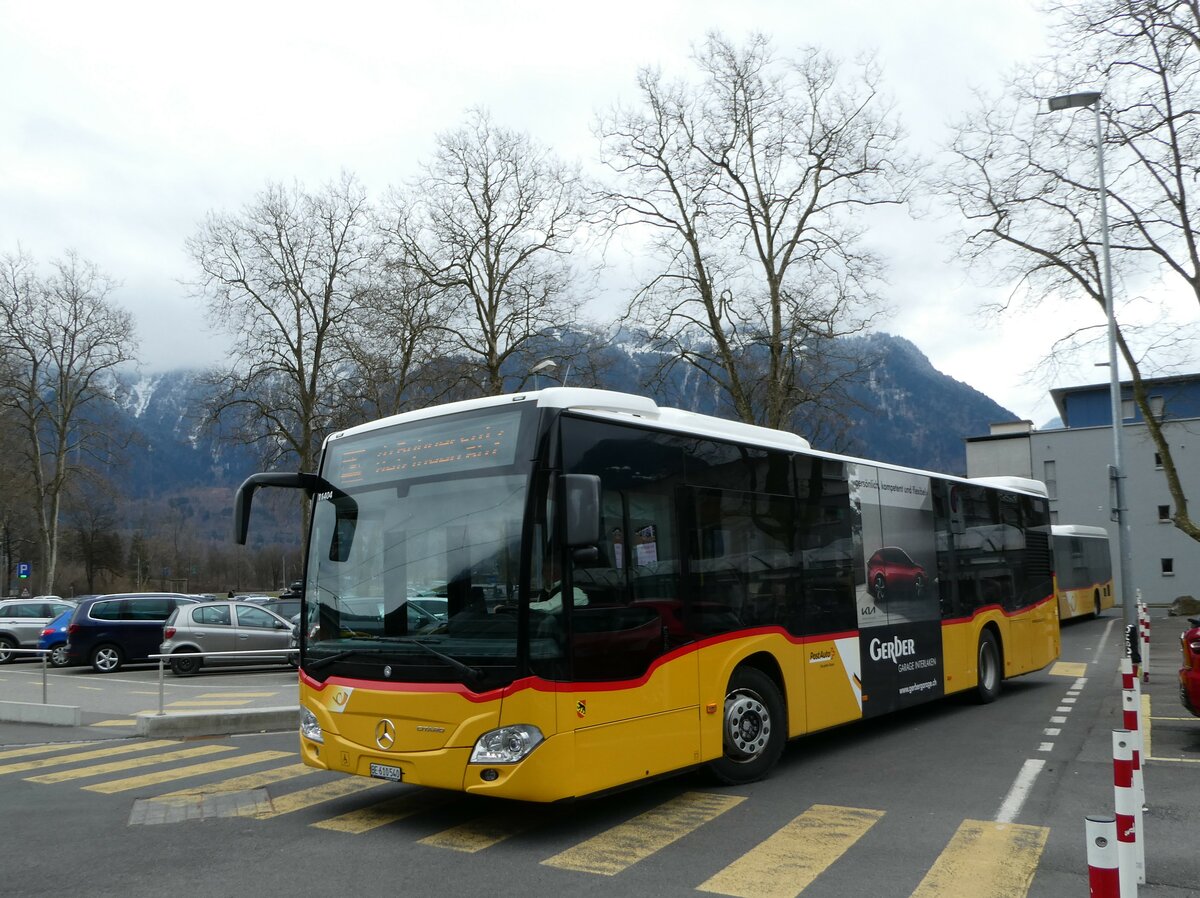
(28, 712)
(218, 723)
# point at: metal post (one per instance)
(1120, 513)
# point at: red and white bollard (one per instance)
(1103, 877)
(1125, 805)
(1131, 704)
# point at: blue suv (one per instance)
(110, 631)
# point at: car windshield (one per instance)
(389, 533)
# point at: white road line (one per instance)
(1046, 746)
(1019, 791)
(1103, 641)
(1058, 720)
(1063, 710)
(1051, 731)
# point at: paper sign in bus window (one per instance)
(646, 547)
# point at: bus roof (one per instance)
(1077, 530)
(613, 405)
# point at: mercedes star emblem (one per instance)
(385, 734)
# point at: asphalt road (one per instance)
(952, 799)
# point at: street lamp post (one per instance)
(1120, 514)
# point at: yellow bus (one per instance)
(631, 591)
(1083, 577)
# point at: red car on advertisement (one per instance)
(891, 570)
(1189, 674)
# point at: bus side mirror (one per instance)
(581, 493)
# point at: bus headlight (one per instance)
(309, 728)
(507, 745)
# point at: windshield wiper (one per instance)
(473, 674)
(346, 653)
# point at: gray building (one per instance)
(1072, 459)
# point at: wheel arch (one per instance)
(993, 628)
(766, 663)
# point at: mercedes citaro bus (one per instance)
(633, 591)
(1083, 574)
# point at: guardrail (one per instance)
(163, 659)
(45, 653)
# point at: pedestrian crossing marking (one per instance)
(788, 861)
(624, 845)
(242, 783)
(305, 798)
(178, 773)
(107, 752)
(377, 815)
(28, 750)
(998, 859)
(1068, 669)
(79, 773)
(484, 832)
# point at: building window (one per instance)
(1157, 461)
(1164, 514)
(1168, 567)
(1050, 478)
(1128, 410)
(1156, 407)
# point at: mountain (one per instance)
(909, 414)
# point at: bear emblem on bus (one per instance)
(581, 708)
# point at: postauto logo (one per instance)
(892, 650)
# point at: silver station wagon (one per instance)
(225, 627)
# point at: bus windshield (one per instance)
(419, 539)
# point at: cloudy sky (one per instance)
(123, 124)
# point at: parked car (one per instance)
(54, 638)
(295, 590)
(287, 608)
(22, 622)
(435, 605)
(228, 626)
(891, 570)
(111, 631)
(1189, 674)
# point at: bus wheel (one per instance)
(1099, 611)
(990, 675)
(754, 728)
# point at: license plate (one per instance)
(387, 772)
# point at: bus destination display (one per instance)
(443, 446)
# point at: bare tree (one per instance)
(283, 278)
(750, 184)
(489, 225)
(61, 337)
(1025, 180)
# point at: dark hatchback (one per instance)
(111, 631)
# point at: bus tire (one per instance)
(1099, 610)
(753, 727)
(991, 674)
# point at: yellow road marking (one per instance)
(476, 835)
(128, 764)
(296, 801)
(623, 846)
(106, 752)
(237, 694)
(1146, 752)
(787, 862)
(1069, 669)
(242, 783)
(376, 815)
(42, 749)
(121, 722)
(997, 859)
(166, 776)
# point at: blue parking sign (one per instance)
(24, 569)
